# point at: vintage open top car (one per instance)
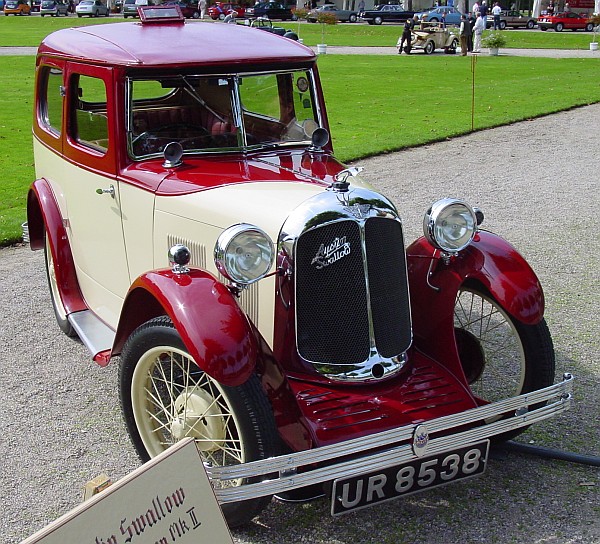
(259, 294)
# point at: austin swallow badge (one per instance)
(331, 253)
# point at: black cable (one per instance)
(550, 453)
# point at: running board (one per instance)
(95, 334)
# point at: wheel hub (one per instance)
(197, 415)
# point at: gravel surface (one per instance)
(537, 181)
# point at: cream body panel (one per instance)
(93, 225)
(265, 205)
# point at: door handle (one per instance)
(110, 191)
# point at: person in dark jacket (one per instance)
(471, 21)
(465, 33)
(406, 37)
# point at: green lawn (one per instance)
(29, 31)
(376, 104)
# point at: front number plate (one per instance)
(358, 492)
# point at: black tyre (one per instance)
(166, 397)
(429, 48)
(502, 25)
(589, 27)
(377, 20)
(543, 28)
(451, 49)
(59, 310)
(434, 20)
(196, 15)
(530, 24)
(221, 16)
(352, 18)
(559, 27)
(501, 357)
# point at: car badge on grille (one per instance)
(359, 211)
(331, 253)
(420, 440)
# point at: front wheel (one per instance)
(589, 27)
(559, 27)
(429, 48)
(352, 18)
(165, 397)
(378, 20)
(502, 25)
(196, 15)
(501, 357)
(530, 24)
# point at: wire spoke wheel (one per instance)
(500, 356)
(166, 397)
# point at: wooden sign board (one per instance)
(167, 500)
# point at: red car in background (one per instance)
(220, 10)
(566, 20)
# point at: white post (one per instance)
(537, 7)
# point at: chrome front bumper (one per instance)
(394, 447)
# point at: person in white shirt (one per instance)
(496, 11)
(478, 31)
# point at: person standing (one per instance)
(496, 11)
(202, 8)
(471, 21)
(484, 12)
(464, 33)
(361, 6)
(478, 31)
(475, 7)
(406, 37)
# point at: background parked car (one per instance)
(565, 20)
(17, 7)
(54, 8)
(221, 9)
(93, 8)
(130, 7)
(262, 23)
(35, 5)
(272, 10)
(343, 15)
(189, 8)
(512, 19)
(389, 13)
(435, 15)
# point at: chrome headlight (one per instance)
(450, 224)
(244, 253)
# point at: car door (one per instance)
(94, 217)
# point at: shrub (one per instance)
(494, 40)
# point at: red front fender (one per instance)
(212, 326)
(490, 262)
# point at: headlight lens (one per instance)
(450, 225)
(244, 253)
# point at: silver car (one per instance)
(93, 8)
(55, 8)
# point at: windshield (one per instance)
(220, 113)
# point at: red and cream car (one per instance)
(196, 223)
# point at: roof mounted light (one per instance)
(161, 14)
(450, 225)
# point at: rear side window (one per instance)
(89, 121)
(51, 95)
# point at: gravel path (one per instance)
(537, 181)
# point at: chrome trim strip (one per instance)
(95, 334)
(287, 465)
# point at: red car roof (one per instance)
(168, 44)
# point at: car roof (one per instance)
(140, 45)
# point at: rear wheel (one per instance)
(530, 25)
(196, 15)
(59, 310)
(502, 25)
(165, 397)
(501, 357)
(377, 20)
(559, 27)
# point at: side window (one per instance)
(88, 117)
(51, 94)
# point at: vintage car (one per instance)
(16, 7)
(386, 13)
(567, 20)
(259, 293)
(444, 14)
(429, 38)
(262, 23)
(342, 15)
(271, 10)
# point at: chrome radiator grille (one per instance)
(351, 292)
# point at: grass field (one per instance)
(29, 31)
(376, 104)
